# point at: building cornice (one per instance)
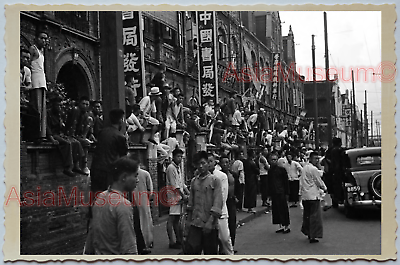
(62, 26)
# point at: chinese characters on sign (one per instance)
(346, 115)
(132, 40)
(208, 72)
(275, 75)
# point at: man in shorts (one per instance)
(177, 192)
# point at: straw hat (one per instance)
(155, 91)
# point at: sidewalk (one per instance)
(161, 237)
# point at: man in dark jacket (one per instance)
(111, 145)
(337, 161)
(278, 189)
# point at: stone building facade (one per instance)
(73, 49)
(245, 40)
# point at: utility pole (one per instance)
(378, 129)
(354, 112)
(316, 129)
(378, 133)
(351, 119)
(362, 130)
(366, 119)
(328, 82)
(372, 125)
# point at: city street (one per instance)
(148, 102)
(342, 236)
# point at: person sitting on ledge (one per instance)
(148, 107)
(78, 126)
(25, 74)
(70, 148)
(136, 122)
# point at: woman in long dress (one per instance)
(251, 172)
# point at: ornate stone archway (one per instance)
(78, 58)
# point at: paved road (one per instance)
(342, 236)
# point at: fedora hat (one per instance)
(154, 91)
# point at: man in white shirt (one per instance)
(172, 143)
(269, 138)
(148, 108)
(284, 134)
(237, 118)
(294, 170)
(264, 167)
(170, 120)
(135, 122)
(238, 174)
(25, 73)
(251, 121)
(311, 188)
(223, 231)
(178, 192)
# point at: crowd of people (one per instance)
(226, 183)
(222, 184)
(249, 156)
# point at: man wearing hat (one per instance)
(149, 110)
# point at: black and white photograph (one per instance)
(189, 133)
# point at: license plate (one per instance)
(353, 188)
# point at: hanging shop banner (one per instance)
(346, 110)
(275, 75)
(208, 71)
(133, 50)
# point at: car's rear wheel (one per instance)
(374, 185)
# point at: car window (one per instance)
(367, 160)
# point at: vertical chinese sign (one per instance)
(275, 75)
(208, 74)
(133, 50)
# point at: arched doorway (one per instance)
(74, 80)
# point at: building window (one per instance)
(234, 52)
(222, 45)
(75, 19)
(169, 36)
(148, 27)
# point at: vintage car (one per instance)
(362, 186)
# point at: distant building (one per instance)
(245, 39)
(335, 121)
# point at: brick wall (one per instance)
(58, 228)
